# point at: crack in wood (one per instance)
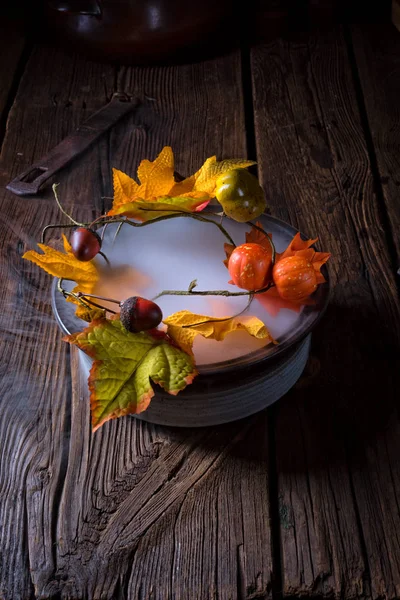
(378, 184)
(20, 52)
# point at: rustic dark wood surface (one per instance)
(300, 500)
(336, 490)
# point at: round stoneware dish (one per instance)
(237, 377)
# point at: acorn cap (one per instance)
(140, 314)
(127, 308)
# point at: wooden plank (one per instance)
(12, 46)
(157, 544)
(337, 443)
(117, 514)
(377, 52)
(163, 513)
(35, 387)
(396, 14)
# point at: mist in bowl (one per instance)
(167, 256)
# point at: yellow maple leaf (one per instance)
(204, 180)
(206, 177)
(125, 188)
(184, 326)
(143, 210)
(89, 314)
(157, 177)
(157, 182)
(65, 266)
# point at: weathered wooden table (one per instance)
(300, 500)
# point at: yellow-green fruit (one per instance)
(240, 195)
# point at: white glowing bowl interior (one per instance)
(169, 255)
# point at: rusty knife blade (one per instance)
(30, 181)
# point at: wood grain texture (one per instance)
(12, 46)
(35, 386)
(337, 444)
(377, 52)
(162, 513)
(134, 511)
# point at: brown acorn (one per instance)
(139, 314)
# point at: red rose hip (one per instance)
(85, 244)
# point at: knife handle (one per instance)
(30, 181)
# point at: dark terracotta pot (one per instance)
(140, 31)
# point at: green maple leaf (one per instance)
(125, 364)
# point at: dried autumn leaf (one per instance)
(157, 177)
(164, 205)
(299, 247)
(65, 266)
(255, 236)
(125, 188)
(317, 259)
(228, 248)
(206, 177)
(252, 237)
(273, 303)
(184, 326)
(297, 244)
(271, 300)
(89, 314)
(124, 363)
(66, 244)
(158, 186)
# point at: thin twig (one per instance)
(171, 215)
(103, 231)
(105, 258)
(60, 288)
(118, 230)
(54, 187)
(250, 300)
(225, 293)
(67, 294)
(54, 226)
(273, 256)
(82, 295)
(102, 307)
(84, 299)
(105, 219)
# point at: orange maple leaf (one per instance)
(273, 303)
(299, 247)
(255, 236)
(296, 245)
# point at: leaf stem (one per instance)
(54, 188)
